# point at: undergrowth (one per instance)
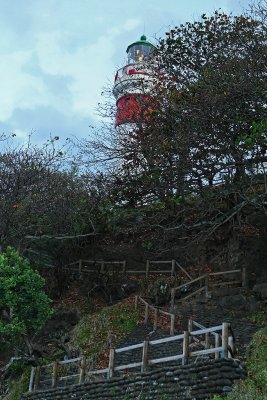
(18, 385)
(94, 333)
(255, 387)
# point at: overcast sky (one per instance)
(56, 55)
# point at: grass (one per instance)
(19, 385)
(255, 387)
(257, 359)
(260, 317)
(93, 333)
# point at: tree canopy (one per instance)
(23, 303)
(200, 160)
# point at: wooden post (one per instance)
(172, 324)
(37, 378)
(146, 314)
(55, 374)
(225, 333)
(207, 341)
(124, 267)
(244, 276)
(80, 268)
(82, 370)
(31, 379)
(207, 286)
(190, 328)
(102, 268)
(231, 344)
(217, 344)
(185, 348)
(136, 302)
(145, 356)
(173, 268)
(147, 268)
(172, 297)
(156, 313)
(111, 362)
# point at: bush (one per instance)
(25, 306)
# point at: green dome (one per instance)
(143, 40)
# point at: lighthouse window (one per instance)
(139, 52)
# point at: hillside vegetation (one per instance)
(190, 182)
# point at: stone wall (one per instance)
(190, 382)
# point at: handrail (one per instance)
(222, 349)
(80, 266)
(157, 311)
(207, 284)
(231, 335)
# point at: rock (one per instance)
(240, 302)
(159, 292)
(225, 291)
(227, 389)
(261, 289)
(237, 301)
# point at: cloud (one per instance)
(89, 67)
(56, 55)
(29, 77)
(18, 88)
(131, 24)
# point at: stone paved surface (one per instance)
(211, 313)
(208, 313)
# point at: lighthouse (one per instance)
(133, 85)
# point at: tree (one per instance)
(219, 91)
(23, 303)
(200, 160)
(42, 194)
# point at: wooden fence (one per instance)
(156, 311)
(83, 267)
(220, 346)
(172, 271)
(205, 283)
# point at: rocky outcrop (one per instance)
(261, 290)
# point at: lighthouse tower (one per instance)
(134, 83)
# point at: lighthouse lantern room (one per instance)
(133, 84)
(140, 50)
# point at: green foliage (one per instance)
(261, 316)
(244, 391)
(257, 359)
(87, 307)
(257, 136)
(22, 297)
(93, 331)
(255, 387)
(17, 368)
(19, 386)
(147, 245)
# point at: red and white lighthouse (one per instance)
(134, 83)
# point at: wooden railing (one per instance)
(54, 370)
(82, 267)
(217, 342)
(174, 266)
(156, 312)
(206, 283)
